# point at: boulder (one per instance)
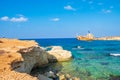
(62, 77)
(50, 74)
(42, 77)
(33, 57)
(67, 77)
(58, 54)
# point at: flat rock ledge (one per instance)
(58, 54)
(19, 57)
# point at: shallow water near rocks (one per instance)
(91, 60)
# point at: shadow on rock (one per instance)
(112, 77)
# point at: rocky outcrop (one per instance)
(34, 57)
(20, 56)
(58, 54)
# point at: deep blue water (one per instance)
(91, 61)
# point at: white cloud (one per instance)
(5, 18)
(69, 7)
(107, 11)
(55, 19)
(20, 19)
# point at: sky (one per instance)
(59, 18)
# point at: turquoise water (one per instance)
(91, 60)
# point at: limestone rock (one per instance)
(67, 77)
(20, 56)
(58, 54)
(50, 74)
(62, 77)
(42, 77)
(34, 57)
(17, 76)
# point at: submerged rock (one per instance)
(112, 77)
(58, 54)
(104, 63)
(62, 77)
(50, 74)
(67, 77)
(42, 77)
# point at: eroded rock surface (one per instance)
(58, 54)
(20, 56)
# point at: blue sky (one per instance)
(59, 18)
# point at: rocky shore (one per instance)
(108, 38)
(19, 57)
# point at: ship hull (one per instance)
(83, 38)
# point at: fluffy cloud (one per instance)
(69, 7)
(55, 19)
(21, 18)
(5, 18)
(107, 11)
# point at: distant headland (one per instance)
(90, 37)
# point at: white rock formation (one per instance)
(33, 57)
(58, 54)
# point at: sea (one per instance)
(91, 59)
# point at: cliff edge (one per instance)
(17, 58)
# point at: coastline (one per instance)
(108, 38)
(91, 37)
(22, 56)
(72, 67)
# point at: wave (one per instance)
(114, 54)
(78, 47)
